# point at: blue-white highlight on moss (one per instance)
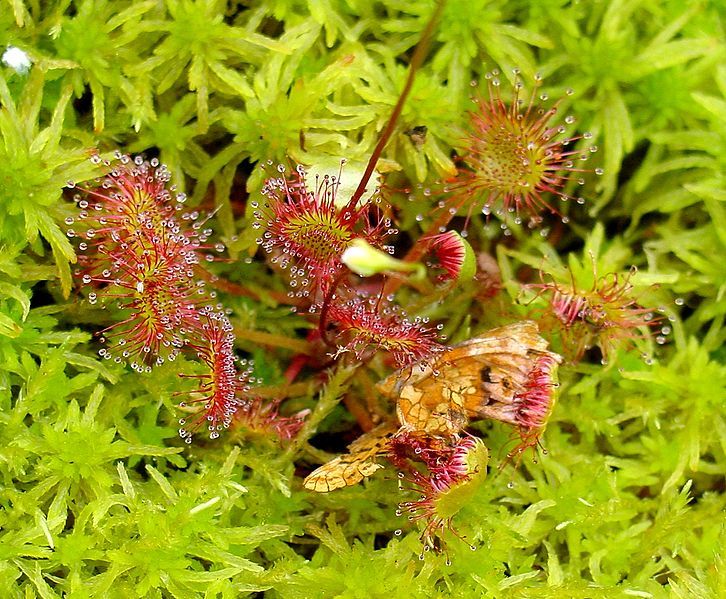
(17, 59)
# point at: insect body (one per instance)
(506, 373)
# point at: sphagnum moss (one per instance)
(99, 496)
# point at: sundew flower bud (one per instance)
(531, 406)
(515, 155)
(446, 475)
(369, 323)
(365, 260)
(307, 231)
(454, 255)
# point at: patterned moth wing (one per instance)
(482, 377)
(352, 467)
(469, 380)
(424, 401)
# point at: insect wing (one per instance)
(352, 467)
(439, 398)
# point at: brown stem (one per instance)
(417, 59)
(371, 395)
(271, 340)
(284, 391)
(361, 415)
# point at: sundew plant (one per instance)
(362, 299)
